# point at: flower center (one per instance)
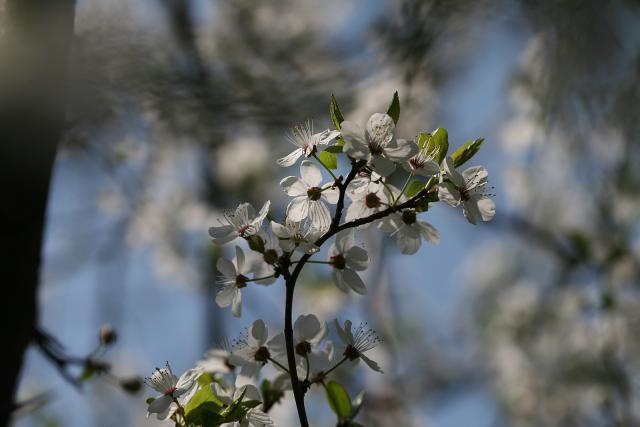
(375, 148)
(338, 262)
(416, 162)
(170, 391)
(262, 355)
(464, 193)
(409, 217)
(372, 201)
(242, 231)
(303, 348)
(351, 352)
(241, 281)
(314, 193)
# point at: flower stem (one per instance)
(278, 364)
(404, 187)
(255, 279)
(344, 359)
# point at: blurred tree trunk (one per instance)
(36, 41)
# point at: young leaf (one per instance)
(466, 151)
(336, 115)
(204, 398)
(329, 159)
(335, 149)
(394, 108)
(357, 403)
(439, 143)
(414, 188)
(338, 400)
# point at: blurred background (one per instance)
(178, 109)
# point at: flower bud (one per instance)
(107, 335)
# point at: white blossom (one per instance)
(306, 141)
(408, 231)
(346, 259)
(244, 222)
(219, 360)
(170, 387)
(254, 351)
(234, 277)
(296, 235)
(368, 195)
(308, 332)
(308, 196)
(467, 188)
(376, 143)
(423, 163)
(358, 342)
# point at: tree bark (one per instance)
(35, 45)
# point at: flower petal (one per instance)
(355, 144)
(328, 135)
(382, 165)
(222, 234)
(379, 128)
(239, 259)
(345, 240)
(452, 173)
(370, 363)
(236, 304)
(354, 281)
(408, 239)
(331, 195)
(428, 232)
(298, 209)
(309, 328)
(336, 274)
(226, 296)
(487, 208)
(291, 158)
(471, 211)
(310, 173)
(474, 176)
(357, 258)
(227, 268)
(319, 215)
(400, 150)
(258, 334)
(280, 230)
(294, 186)
(160, 404)
(448, 193)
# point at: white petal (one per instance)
(264, 210)
(401, 150)
(222, 234)
(280, 230)
(475, 175)
(357, 258)
(382, 165)
(310, 174)
(160, 404)
(331, 195)
(226, 295)
(355, 144)
(328, 135)
(258, 334)
(453, 174)
(354, 281)
(370, 363)
(380, 128)
(319, 215)
(291, 158)
(429, 168)
(341, 332)
(408, 239)
(294, 186)
(236, 304)
(308, 327)
(239, 259)
(448, 193)
(345, 240)
(487, 208)
(186, 381)
(298, 209)
(277, 344)
(336, 274)
(428, 232)
(227, 268)
(471, 211)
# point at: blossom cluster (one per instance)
(227, 375)
(325, 206)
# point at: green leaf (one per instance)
(394, 108)
(338, 400)
(203, 399)
(335, 149)
(414, 188)
(466, 151)
(235, 411)
(150, 400)
(336, 115)
(329, 159)
(210, 418)
(87, 373)
(249, 404)
(439, 143)
(423, 205)
(206, 379)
